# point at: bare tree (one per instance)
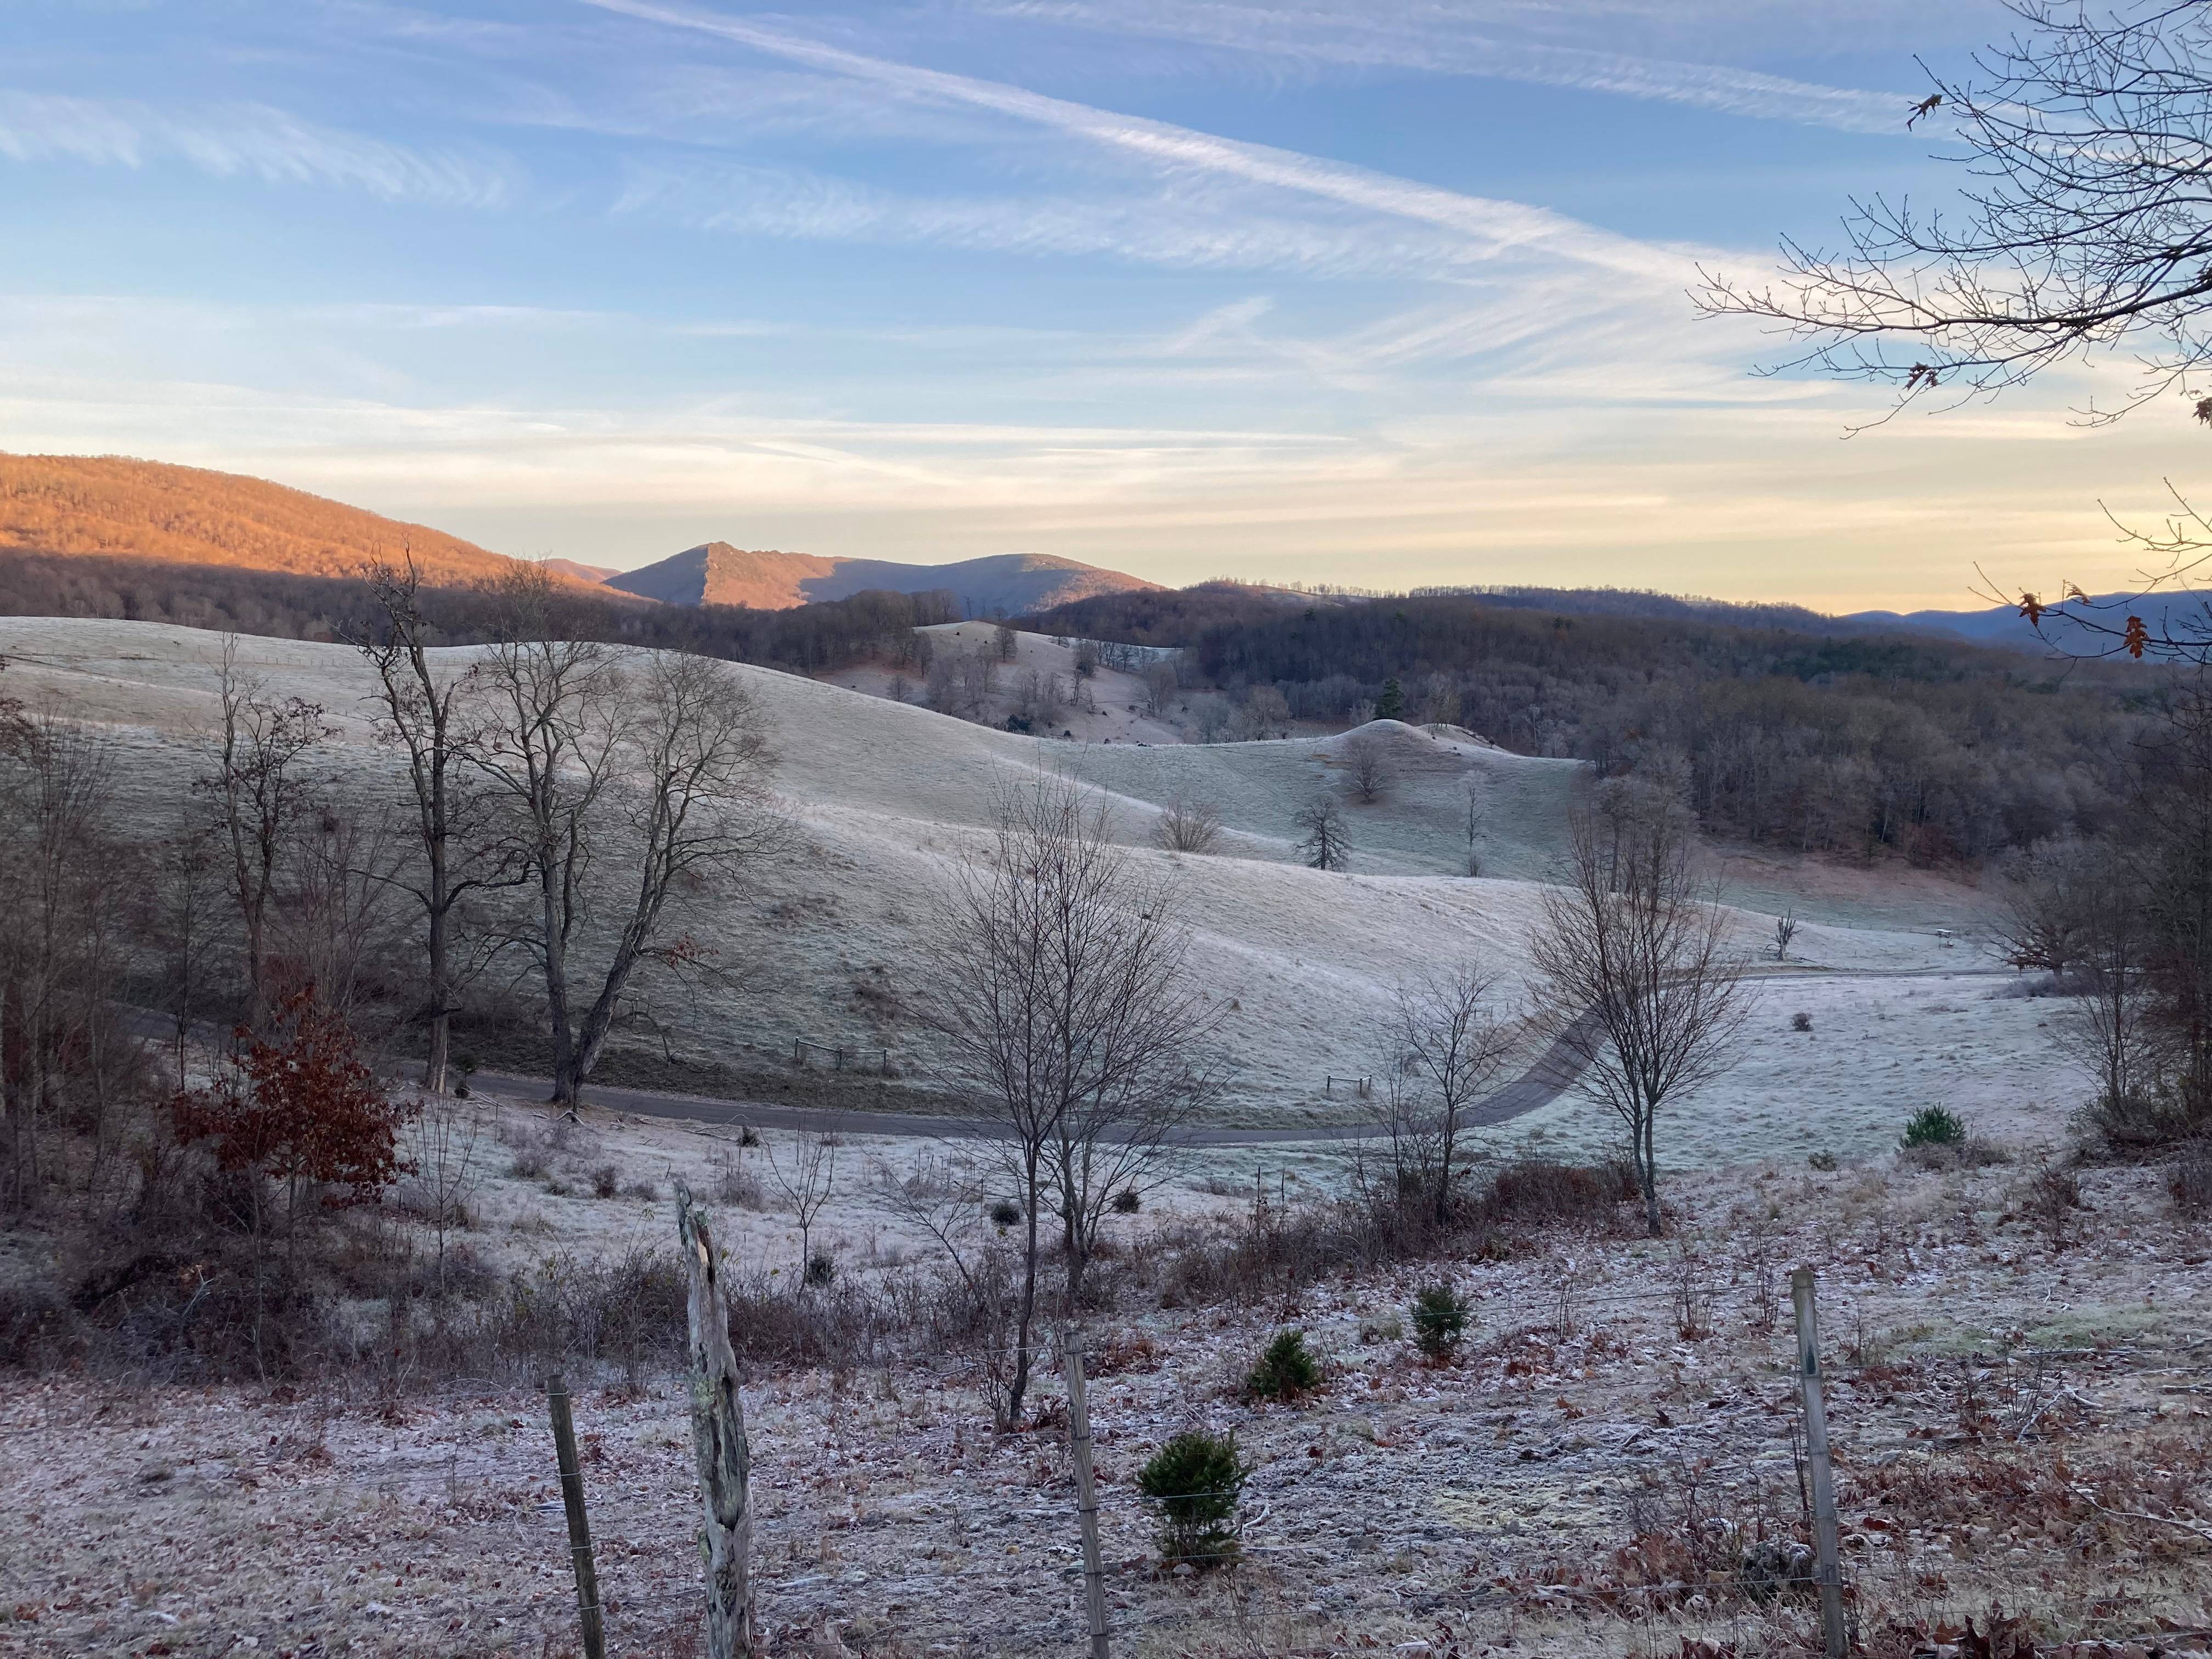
(1367, 763)
(2048, 903)
(1475, 815)
(335, 925)
(664, 770)
(187, 895)
(425, 716)
(1785, 929)
(1160, 687)
(1211, 716)
(1637, 962)
(2087, 138)
(260, 789)
(63, 1053)
(1447, 1044)
(1266, 714)
(442, 1172)
(1059, 998)
(2114, 1032)
(1188, 826)
(806, 1182)
(1324, 843)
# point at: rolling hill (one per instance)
(1009, 584)
(109, 508)
(892, 801)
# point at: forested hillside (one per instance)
(105, 506)
(1864, 745)
(805, 641)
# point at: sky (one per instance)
(1376, 293)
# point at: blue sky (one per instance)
(1380, 292)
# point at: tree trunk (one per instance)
(566, 1080)
(1018, 1389)
(718, 1435)
(441, 989)
(1647, 1172)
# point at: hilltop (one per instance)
(1006, 584)
(108, 508)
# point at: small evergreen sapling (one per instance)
(1286, 1369)
(1193, 1483)
(1440, 1319)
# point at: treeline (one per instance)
(328, 913)
(1881, 744)
(809, 638)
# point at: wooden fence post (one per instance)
(579, 1526)
(1086, 1490)
(1816, 1455)
(718, 1435)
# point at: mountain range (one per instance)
(1005, 584)
(122, 516)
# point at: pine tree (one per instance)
(1392, 704)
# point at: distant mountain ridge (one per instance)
(2182, 614)
(107, 507)
(1010, 584)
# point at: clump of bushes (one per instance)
(1440, 1320)
(1126, 1202)
(1195, 1484)
(821, 1268)
(1005, 1212)
(1934, 1125)
(2134, 1125)
(2191, 1181)
(1801, 1021)
(1286, 1369)
(1823, 1160)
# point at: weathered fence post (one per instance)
(579, 1526)
(718, 1435)
(1086, 1490)
(1816, 1454)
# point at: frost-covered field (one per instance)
(2006, 1411)
(891, 796)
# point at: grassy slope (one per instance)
(890, 796)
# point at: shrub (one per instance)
(1193, 1483)
(821, 1268)
(2136, 1124)
(1286, 1369)
(1801, 1021)
(735, 1184)
(1824, 1161)
(1440, 1319)
(2191, 1181)
(606, 1180)
(1126, 1202)
(1934, 1125)
(1536, 1190)
(1005, 1212)
(529, 1164)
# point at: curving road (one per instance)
(1546, 1079)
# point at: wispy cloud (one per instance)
(1191, 225)
(1495, 227)
(1438, 40)
(251, 140)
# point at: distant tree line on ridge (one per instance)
(806, 640)
(1866, 746)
